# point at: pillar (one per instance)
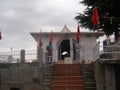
(110, 77)
(99, 70)
(71, 48)
(22, 56)
(40, 56)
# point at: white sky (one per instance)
(20, 17)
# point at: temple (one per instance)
(57, 66)
(65, 42)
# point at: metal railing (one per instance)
(110, 51)
(14, 56)
(96, 52)
(100, 51)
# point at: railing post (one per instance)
(10, 58)
(96, 51)
(22, 56)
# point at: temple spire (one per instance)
(65, 29)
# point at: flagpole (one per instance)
(78, 44)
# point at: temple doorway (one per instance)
(64, 49)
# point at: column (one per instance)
(110, 77)
(22, 56)
(40, 56)
(71, 48)
(99, 70)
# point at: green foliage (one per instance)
(106, 10)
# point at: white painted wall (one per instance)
(87, 42)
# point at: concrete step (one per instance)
(67, 74)
(90, 84)
(47, 78)
(63, 87)
(90, 88)
(67, 77)
(49, 72)
(46, 83)
(45, 88)
(89, 78)
(74, 82)
(50, 69)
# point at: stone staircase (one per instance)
(67, 77)
(89, 78)
(47, 77)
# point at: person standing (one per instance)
(49, 52)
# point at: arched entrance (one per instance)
(64, 49)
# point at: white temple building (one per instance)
(65, 41)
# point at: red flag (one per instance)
(78, 34)
(0, 35)
(39, 41)
(95, 17)
(51, 36)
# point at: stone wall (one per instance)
(105, 75)
(99, 75)
(22, 77)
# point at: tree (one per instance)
(109, 16)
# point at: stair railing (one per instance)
(106, 52)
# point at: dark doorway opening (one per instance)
(64, 49)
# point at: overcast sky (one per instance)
(20, 17)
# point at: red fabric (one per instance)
(0, 36)
(51, 37)
(95, 17)
(39, 42)
(78, 34)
